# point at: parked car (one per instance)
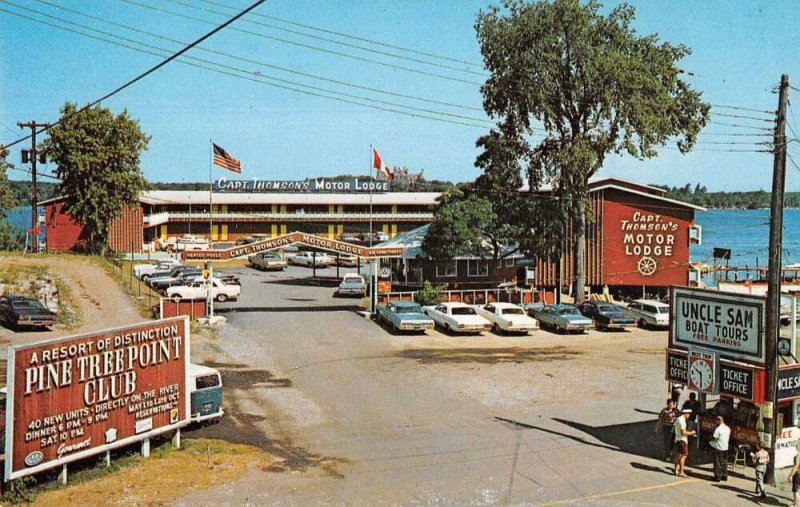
(457, 317)
(352, 284)
(404, 316)
(311, 259)
(347, 261)
(145, 271)
(507, 318)
(246, 240)
(649, 313)
(350, 237)
(562, 318)
(267, 261)
(198, 289)
(171, 274)
(163, 283)
(377, 237)
(606, 315)
(205, 388)
(190, 242)
(21, 311)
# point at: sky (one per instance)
(316, 84)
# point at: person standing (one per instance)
(794, 478)
(666, 425)
(760, 460)
(682, 435)
(719, 442)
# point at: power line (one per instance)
(744, 117)
(333, 41)
(309, 46)
(27, 171)
(740, 126)
(728, 134)
(237, 72)
(147, 72)
(257, 62)
(741, 108)
(350, 36)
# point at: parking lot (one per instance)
(358, 415)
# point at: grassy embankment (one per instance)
(25, 280)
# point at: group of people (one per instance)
(674, 428)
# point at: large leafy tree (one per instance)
(97, 155)
(9, 238)
(569, 86)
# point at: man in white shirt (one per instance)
(719, 442)
(682, 435)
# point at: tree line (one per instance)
(699, 195)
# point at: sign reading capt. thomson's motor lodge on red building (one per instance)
(74, 397)
(646, 245)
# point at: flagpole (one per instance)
(210, 194)
(369, 174)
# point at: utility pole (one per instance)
(34, 200)
(772, 316)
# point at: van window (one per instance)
(206, 381)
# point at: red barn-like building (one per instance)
(637, 238)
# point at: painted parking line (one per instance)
(623, 492)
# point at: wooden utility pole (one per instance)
(34, 231)
(773, 309)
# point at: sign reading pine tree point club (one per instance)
(74, 397)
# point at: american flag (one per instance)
(225, 160)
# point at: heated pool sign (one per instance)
(731, 324)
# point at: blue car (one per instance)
(404, 316)
(606, 315)
(561, 318)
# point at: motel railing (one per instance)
(164, 217)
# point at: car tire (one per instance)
(496, 329)
(643, 324)
(221, 298)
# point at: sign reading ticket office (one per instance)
(729, 323)
(78, 396)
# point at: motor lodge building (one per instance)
(637, 237)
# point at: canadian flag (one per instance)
(377, 164)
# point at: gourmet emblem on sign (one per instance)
(648, 236)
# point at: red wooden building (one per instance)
(636, 238)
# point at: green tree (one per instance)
(9, 239)
(591, 86)
(98, 162)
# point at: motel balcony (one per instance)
(167, 217)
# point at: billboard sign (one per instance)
(78, 396)
(349, 185)
(731, 324)
(732, 379)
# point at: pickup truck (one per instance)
(507, 318)
(267, 261)
(22, 311)
(198, 289)
(311, 259)
(404, 316)
(145, 271)
(457, 318)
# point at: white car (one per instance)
(311, 259)
(649, 313)
(189, 243)
(198, 289)
(507, 318)
(143, 271)
(457, 317)
(352, 284)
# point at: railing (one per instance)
(160, 218)
(469, 296)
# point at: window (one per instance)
(446, 269)
(509, 263)
(207, 381)
(695, 234)
(477, 267)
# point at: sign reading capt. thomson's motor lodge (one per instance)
(74, 397)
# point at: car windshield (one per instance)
(463, 311)
(24, 304)
(662, 309)
(569, 311)
(512, 311)
(408, 309)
